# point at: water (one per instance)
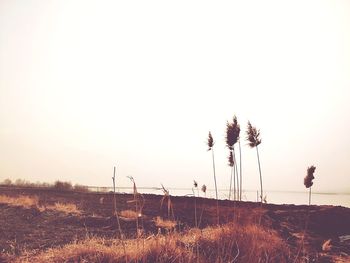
(273, 197)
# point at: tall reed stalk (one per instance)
(308, 183)
(115, 214)
(308, 180)
(253, 138)
(232, 136)
(210, 143)
(195, 184)
(240, 170)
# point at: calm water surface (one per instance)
(274, 197)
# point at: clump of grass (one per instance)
(67, 208)
(129, 215)
(22, 200)
(33, 202)
(163, 223)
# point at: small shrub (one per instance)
(7, 182)
(65, 186)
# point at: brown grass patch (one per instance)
(22, 200)
(167, 224)
(215, 244)
(129, 214)
(67, 208)
(33, 202)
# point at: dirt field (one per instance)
(33, 229)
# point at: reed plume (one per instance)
(253, 138)
(308, 179)
(204, 189)
(232, 136)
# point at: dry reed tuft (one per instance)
(309, 176)
(253, 135)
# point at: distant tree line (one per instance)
(58, 185)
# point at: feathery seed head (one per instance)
(195, 184)
(310, 176)
(253, 135)
(204, 188)
(232, 133)
(210, 142)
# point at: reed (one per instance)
(308, 179)
(232, 136)
(210, 143)
(166, 198)
(253, 138)
(138, 201)
(195, 185)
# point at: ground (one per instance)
(33, 229)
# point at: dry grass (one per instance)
(216, 244)
(166, 224)
(67, 208)
(33, 202)
(22, 200)
(129, 214)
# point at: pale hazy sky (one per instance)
(85, 85)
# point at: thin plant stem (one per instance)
(261, 184)
(240, 170)
(229, 193)
(216, 189)
(115, 213)
(310, 196)
(195, 209)
(234, 183)
(114, 198)
(236, 173)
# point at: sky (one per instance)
(86, 85)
